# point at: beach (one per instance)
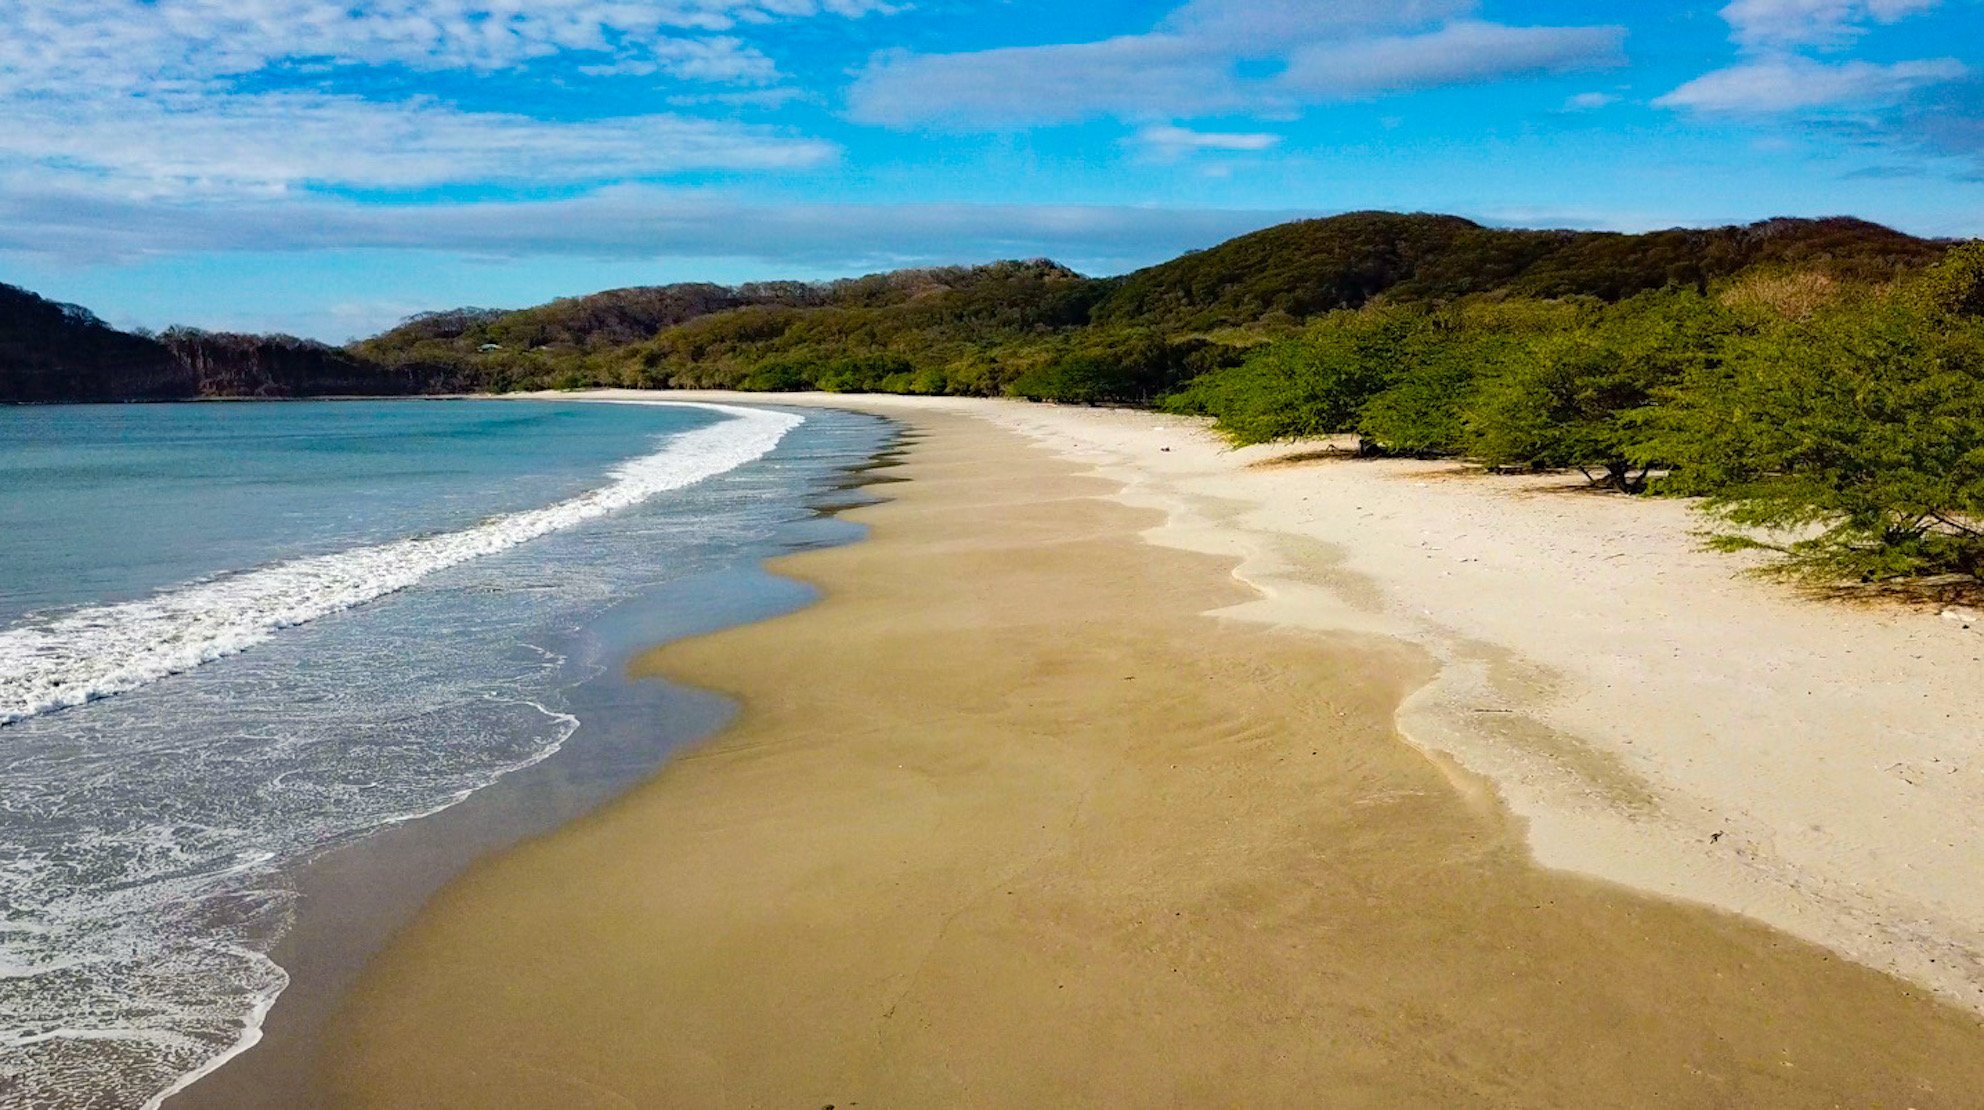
(1116, 768)
(343, 650)
(868, 554)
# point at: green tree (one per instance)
(781, 376)
(1956, 284)
(1576, 398)
(1422, 413)
(1314, 384)
(1851, 444)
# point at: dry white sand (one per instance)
(1659, 719)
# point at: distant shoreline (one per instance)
(257, 400)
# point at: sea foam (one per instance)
(93, 653)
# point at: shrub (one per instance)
(777, 377)
(1851, 445)
(1314, 384)
(1577, 398)
(1956, 284)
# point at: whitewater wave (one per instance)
(93, 653)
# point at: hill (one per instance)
(62, 352)
(1032, 328)
(1297, 270)
(226, 364)
(544, 338)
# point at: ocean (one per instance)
(234, 637)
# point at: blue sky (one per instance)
(326, 167)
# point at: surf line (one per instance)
(97, 652)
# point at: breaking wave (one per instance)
(93, 653)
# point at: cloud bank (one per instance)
(1790, 83)
(221, 97)
(1223, 56)
(1780, 76)
(1825, 24)
(625, 222)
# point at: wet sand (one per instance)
(1007, 819)
(351, 900)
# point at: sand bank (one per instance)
(1655, 717)
(1008, 820)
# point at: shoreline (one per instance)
(1678, 728)
(350, 899)
(1008, 817)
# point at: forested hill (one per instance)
(1298, 270)
(620, 318)
(1039, 329)
(62, 352)
(1029, 328)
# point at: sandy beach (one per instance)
(1115, 768)
(1655, 716)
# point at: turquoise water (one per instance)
(111, 502)
(235, 636)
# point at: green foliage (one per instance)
(1317, 383)
(1850, 444)
(1114, 366)
(1422, 414)
(1576, 397)
(1513, 383)
(1557, 404)
(1079, 377)
(1424, 411)
(777, 377)
(859, 373)
(1956, 284)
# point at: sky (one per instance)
(328, 167)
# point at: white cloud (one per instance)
(1590, 101)
(626, 222)
(1168, 142)
(1793, 84)
(1462, 53)
(279, 142)
(1778, 24)
(1924, 105)
(142, 40)
(216, 97)
(1190, 64)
